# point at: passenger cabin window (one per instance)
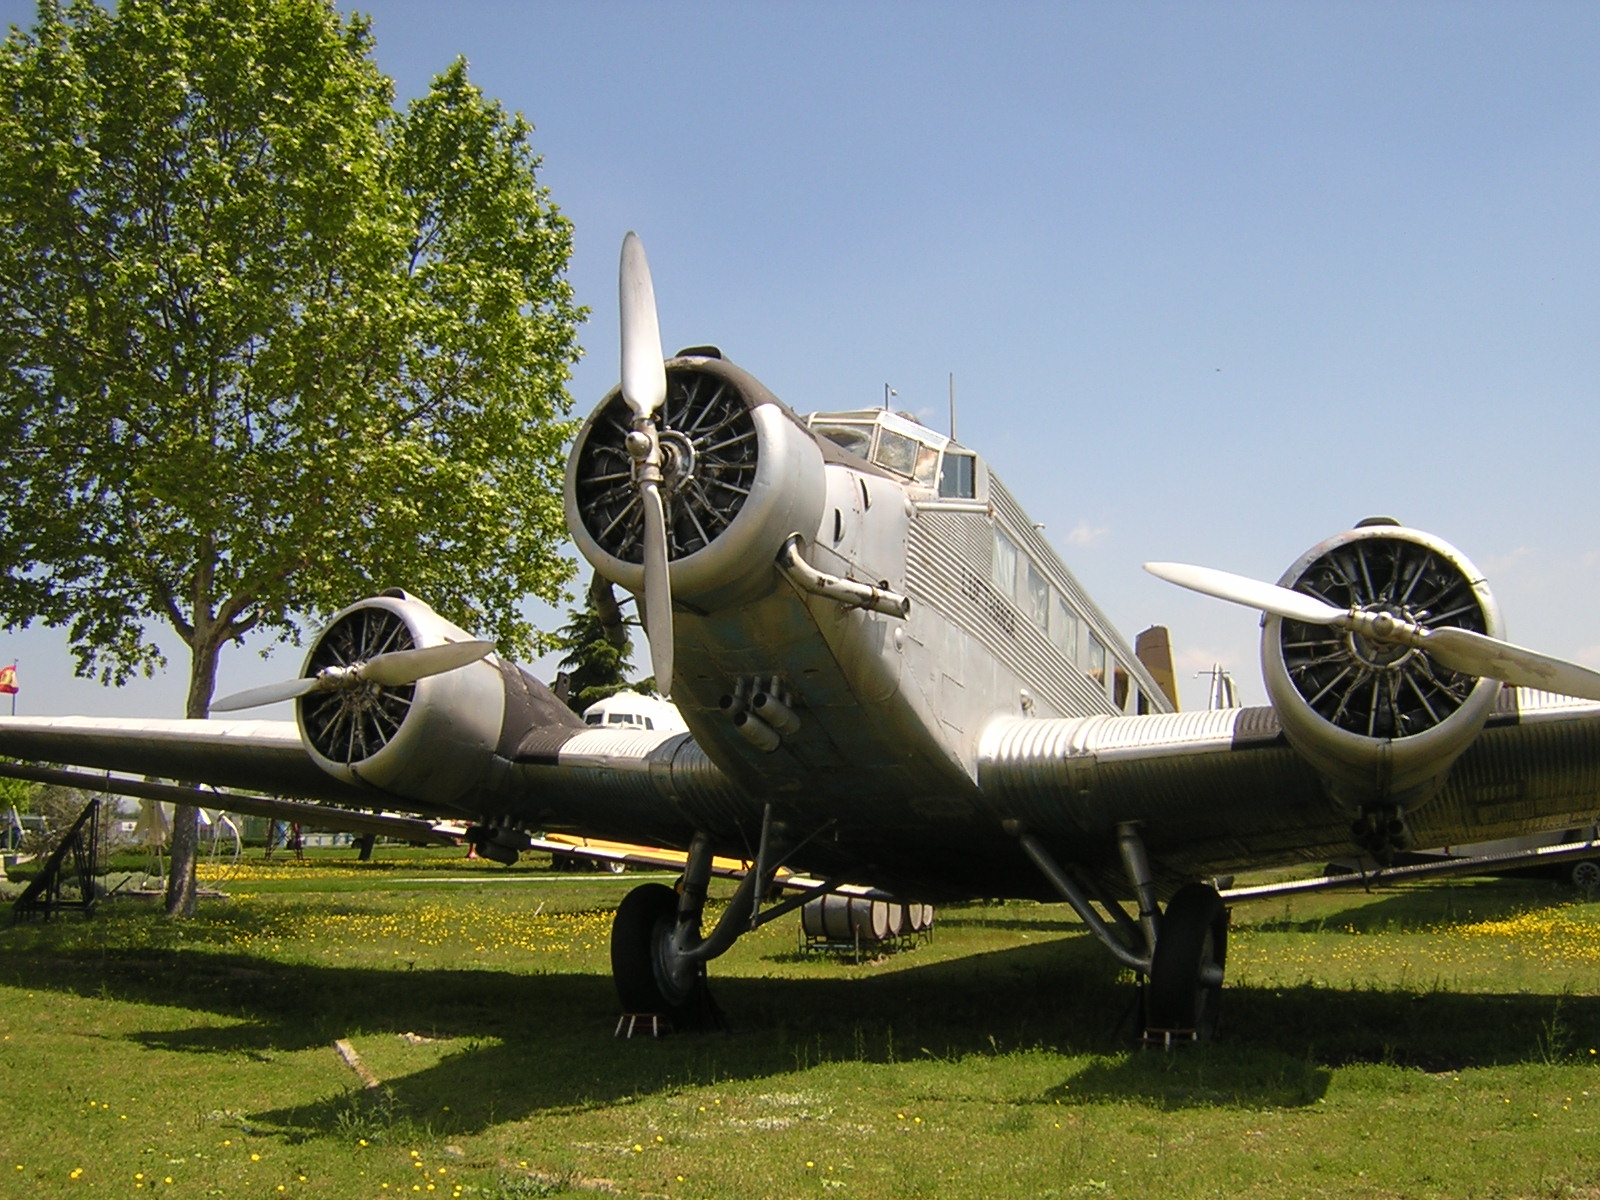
(958, 478)
(1038, 598)
(1094, 665)
(1064, 628)
(1004, 568)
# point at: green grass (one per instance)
(1437, 1041)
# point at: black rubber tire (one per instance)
(634, 930)
(1194, 934)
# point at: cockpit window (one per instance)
(857, 439)
(896, 452)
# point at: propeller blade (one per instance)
(400, 667)
(644, 377)
(1476, 654)
(1252, 593)
(272, 693)
(395, 669)
(657, 587)
(1454, 649)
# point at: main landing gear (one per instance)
(1179, 954)
(658, 955)
(1185, 987)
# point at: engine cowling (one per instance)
(741, 473)
(433, 740)
(1382, 722)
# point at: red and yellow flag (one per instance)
(8, 680)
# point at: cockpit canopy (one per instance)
(901, 446)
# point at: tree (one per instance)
(267, 344)
(598, 650)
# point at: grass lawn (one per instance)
(1435, 1041)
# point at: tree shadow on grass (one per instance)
(542, 1043)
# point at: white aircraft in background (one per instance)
(889, 677)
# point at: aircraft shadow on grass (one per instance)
(1414, 909)
(531, 1043)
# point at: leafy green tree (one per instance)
(266, 343)
(18, 794)
(599, 652)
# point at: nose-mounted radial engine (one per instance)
(688, 478)
(1382, 653)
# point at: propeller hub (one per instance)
(638, 444)
(677, 460)
(1377, 642)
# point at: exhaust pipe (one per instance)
(774, 712)
(756, 731)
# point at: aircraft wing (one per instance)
(1217, 792)
(317, 816)
(261, 756)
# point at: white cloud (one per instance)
(1084, 535)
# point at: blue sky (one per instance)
(1214, 280)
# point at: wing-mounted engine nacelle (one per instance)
(1380, 720)
(740, 474)
(432, 740)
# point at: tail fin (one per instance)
(1154, 649)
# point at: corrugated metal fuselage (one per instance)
(922, 743)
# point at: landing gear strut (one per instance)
(1181, 952)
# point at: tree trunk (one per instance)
(182, 881)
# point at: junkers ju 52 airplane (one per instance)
(891, 678)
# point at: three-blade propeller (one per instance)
(394, 669)
(644, 389)
(1454, 649)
